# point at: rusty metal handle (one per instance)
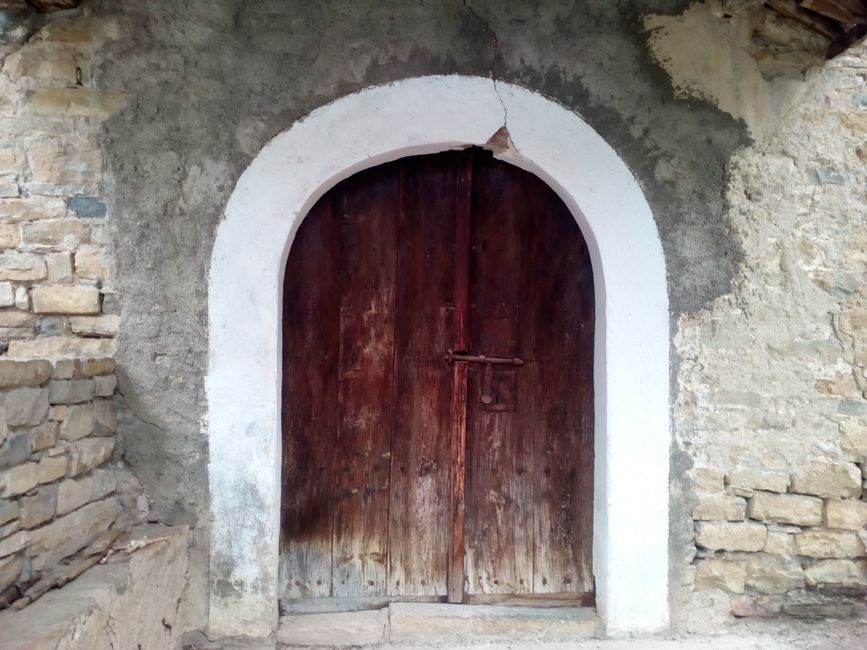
(452, 356)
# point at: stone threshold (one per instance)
(438, 623)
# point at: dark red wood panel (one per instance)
(366, 382)
(419, 513)
(311, 326)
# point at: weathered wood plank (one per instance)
(311, 320)
(365, 400)
(418, 513)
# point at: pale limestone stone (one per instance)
(756, 606)
(61, 234)
(77, 102)
(104, 386)
(44, 436)
(32, 209)
(780, 543)
(60, 347)
(39, 508)
(7, 295)
(785, 508)
(65, 160)
(91, 263)
(705, 479)
(65, 300)
(837, 574)
(829, 544)
(774, 574)
(719, 507)
(755, 478)
(14, 543)
(10, 569)
(84, 29)
(97, 366)
(848, 515)
(19, 480)
(60, 267)
(52, 468)
(22, 298)
(363, 627)
(10, 235)
(828, 479)
(104, 482)
(8, 511)
(11, 160)
(13, 318)
(23, 373)
(64, 369)
(104, 417)
(89, 453)
(16, 450)
(728, 575)
(106, 325)
(70, 533)
(26, 406)
(732, 536)
(72, 494)
(44, 62)
(853, 438)
(22, 267)
(78, 423)
(70, 391)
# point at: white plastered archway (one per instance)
(376, 125)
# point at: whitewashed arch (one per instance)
(376, 125)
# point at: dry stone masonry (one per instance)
(57, 438)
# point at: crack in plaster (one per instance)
(496, 49)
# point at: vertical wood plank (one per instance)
(368, 233)
(457, 502)
(311, 324)
(418, 512)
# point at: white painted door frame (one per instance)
(377, 125)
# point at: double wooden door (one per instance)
(438, 388)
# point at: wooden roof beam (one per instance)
(47, 6)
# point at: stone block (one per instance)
(820, 610)
(10, 235)
(728, 575)
(79, 422)
(14, 543)
(44, 436)
(44, 63)
(65, 300)
(60, 267)
(104, 417)
(61, 234)
(76, 102)
(60, 347)
(32, 209)
(22, 267)
(780, 543)
(91, 263)
(65, 369)
(8, 511)
(719, 507)
(22, 299)
(774, 574)
(104, 386)
(52, 468)
(104, 482)
(7, 295)
(785, 509)
(363, 627)
(89, 453)
(754, 478)
(18, 480)
(72, 494)
(705, 479)
(16, 319)
(11, 160)
(731, 536)
(848, 515)
(10, 570)
(70, 391)
(105, 325)
(26, 406)
(756, 606)
(838, 575)
(829, 544)
(71, 533)
(97, 366)
(87, 207)
(57, 161)
(829, 479)
(15, 450)
(39, 508)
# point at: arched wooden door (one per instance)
(438, 389)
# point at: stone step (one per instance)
(438, 623)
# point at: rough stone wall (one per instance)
(772, 380)
(57, 435)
